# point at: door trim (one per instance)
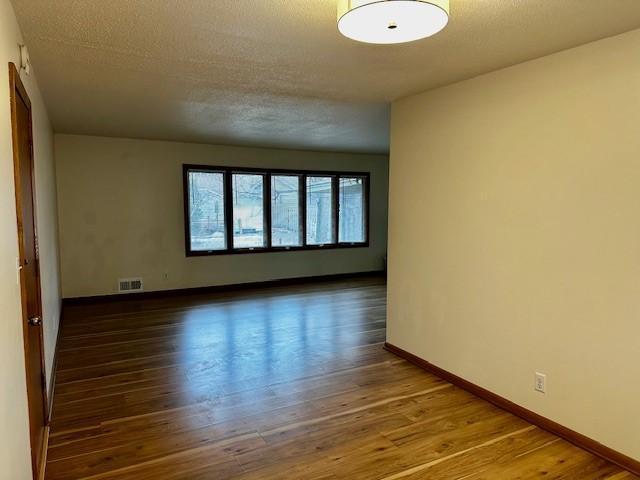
(17, 89)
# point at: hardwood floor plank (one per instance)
(314, 400)
(476, 459)
(558, 460)
(177, 401)
(325, 384)
(273, 383)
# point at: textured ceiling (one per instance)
(273, 72)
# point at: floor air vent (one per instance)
(127, 285)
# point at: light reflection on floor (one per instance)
(234, 346)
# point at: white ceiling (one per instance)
(273, 72)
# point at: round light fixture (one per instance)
(391, 21)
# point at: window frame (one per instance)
(228, 178)
(365, 207)
(267, 174)
(302, 211)
(187, 210)
(335, 213)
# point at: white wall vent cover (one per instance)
(126, 285)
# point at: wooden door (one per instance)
(29, 265)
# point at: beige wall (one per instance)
(515, 234)
(14, 436)
(121, 215)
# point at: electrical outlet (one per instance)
(541, 383)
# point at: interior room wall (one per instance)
(121, 215)
(15, 463)
(514, 241)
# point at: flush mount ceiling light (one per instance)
(391, 21)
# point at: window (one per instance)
(286, 229)
(352, 210)
(206, 211)
(240, 210)
(248, 211)
(320, 213)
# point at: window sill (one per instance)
(244, 251)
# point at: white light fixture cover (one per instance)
(391, 21)
(25, 60)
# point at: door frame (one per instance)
(18, 89)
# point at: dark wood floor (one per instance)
(275, 383)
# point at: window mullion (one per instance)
(267, 209)
(228, 205)
(303, 208)
(367, 207)
(335, 187)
